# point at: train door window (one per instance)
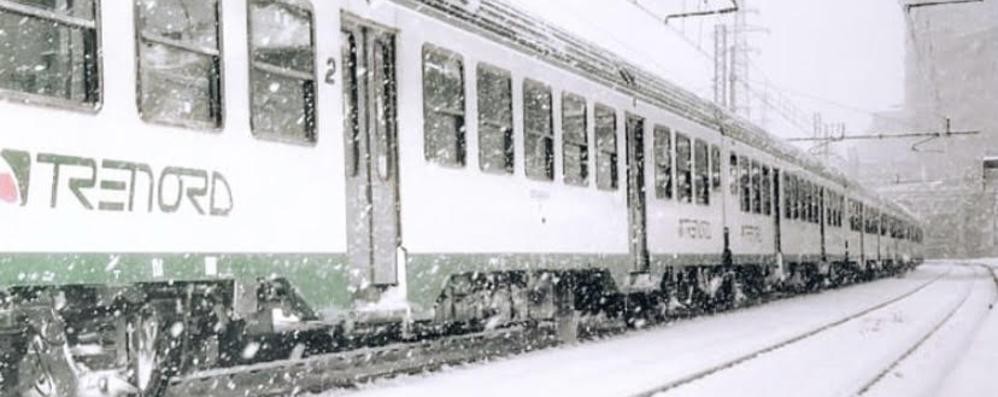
(684, 169)
(746, 178)
(767, 191)
(538, 131)
(49, 52)
(663, 163)
(715, 168)
(702, 168)
(180, 62)
(756, 188)
(733, 174)
(575, 144)
(443, 107)
(495, 120)
(606, 148)
(282, 71)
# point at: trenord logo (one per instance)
(115, 185)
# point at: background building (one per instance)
(951, 73)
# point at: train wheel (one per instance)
(44, 369)
(153, 351)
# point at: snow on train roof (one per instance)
(531, 34)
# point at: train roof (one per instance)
(544, 40)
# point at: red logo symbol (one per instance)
(8, 188)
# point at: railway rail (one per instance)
(702, 374)
(873, 381)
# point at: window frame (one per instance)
(756, 173)
(32, 99)
(461, 139)
(566, 142)
(745, 179)
(550, 174)
(311, 138)
(716, 168)
(733, 182)
(690, 172)
(219, 55)
(667, 192)
(614, 183)
(509, 152)
(701, 181)
(767, 190)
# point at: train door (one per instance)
(636, 192)
(370, 117)
(777, 207)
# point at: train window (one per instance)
(767, 192)
(812, 198)
(702, 181)
(803, 200)
(282, 71)
(575, 144)
(663, 163)
(787, 198)
(606, 148)
(684, 169)
(809, 201)
(794, 197)
(180, 62)
(715, 167)
(840, 211)
(746, 177)
(819, 203)
(49, 52)
(495, 120)
(733, 174)
(538, 130)
(756, 188)
(833, 208)
(443, 107)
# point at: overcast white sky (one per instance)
(849, 52)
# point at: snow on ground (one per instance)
(644, 360)
(841, 361)
(974, 375)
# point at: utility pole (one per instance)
(721, 65)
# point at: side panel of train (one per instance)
(112, 192)
(391, 164)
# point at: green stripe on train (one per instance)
(321, 278)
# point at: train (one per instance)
(198, 184)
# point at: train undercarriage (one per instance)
(177, 338)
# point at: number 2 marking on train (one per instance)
(331, 71)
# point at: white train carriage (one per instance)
(230, 163)
(356, 163)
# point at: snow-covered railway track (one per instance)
(742, 359)
(866, 386)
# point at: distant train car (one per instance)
(290, 178)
